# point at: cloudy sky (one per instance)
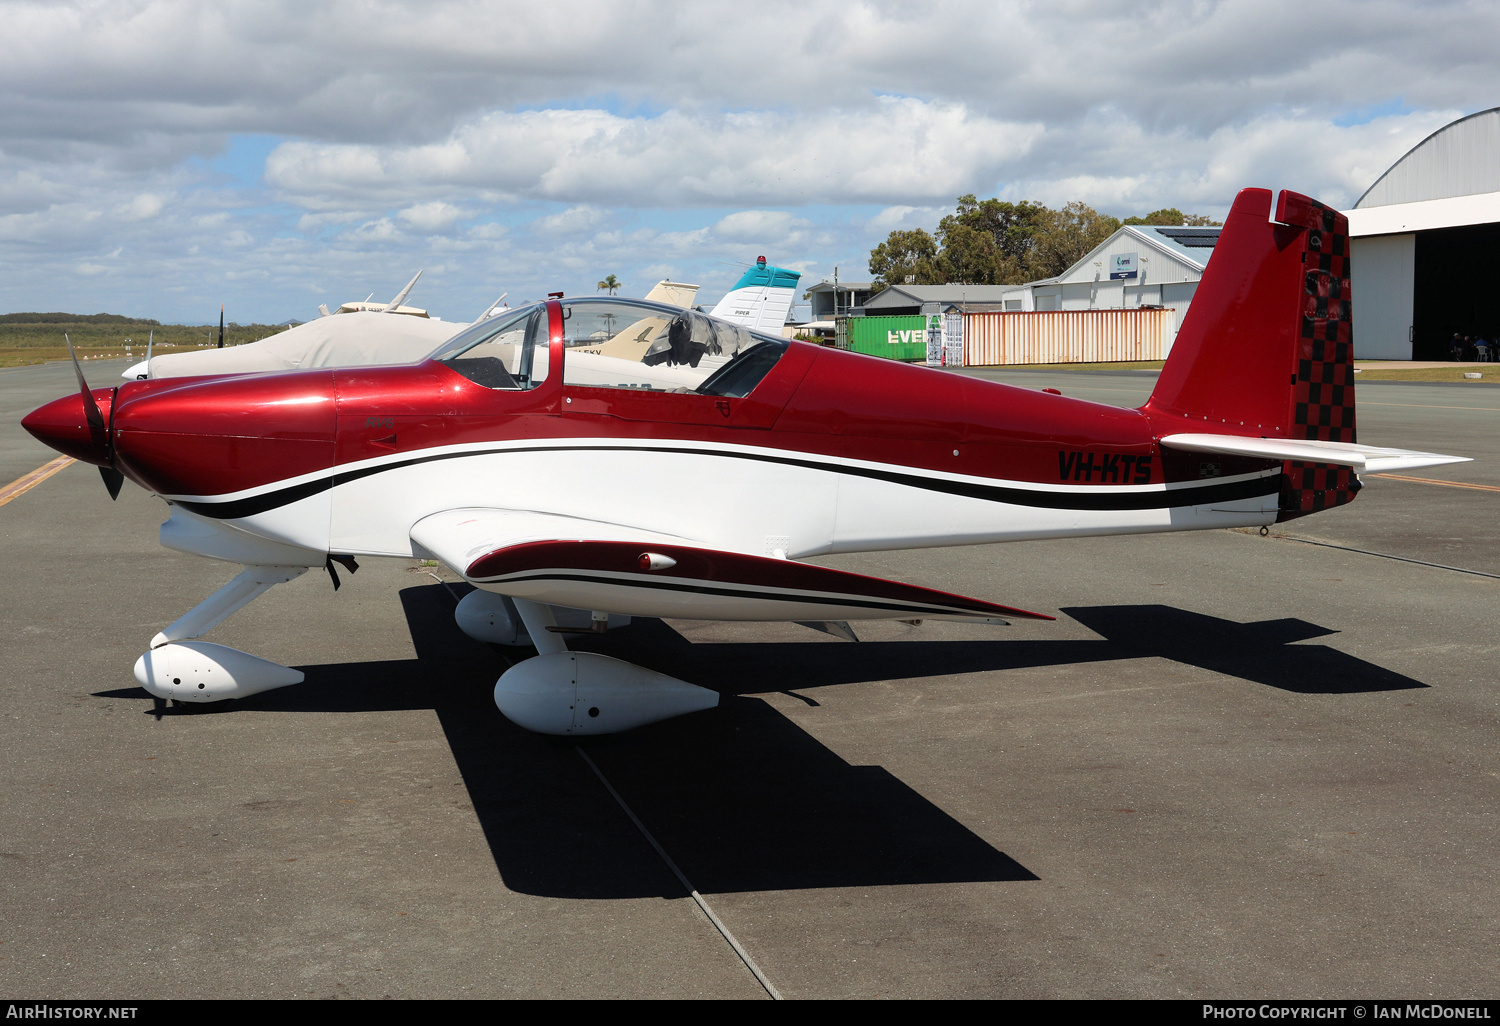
(158, 157)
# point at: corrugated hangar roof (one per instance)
(1461, 159)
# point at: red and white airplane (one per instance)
(583, 461)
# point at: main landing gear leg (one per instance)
(199, 671)
(563, 692)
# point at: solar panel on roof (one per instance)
(1192, 238)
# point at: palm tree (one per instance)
(610, 282)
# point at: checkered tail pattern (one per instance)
(1323, 379)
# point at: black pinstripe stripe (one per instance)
(1105, 499)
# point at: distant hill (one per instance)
(67, 318)
(106, 330)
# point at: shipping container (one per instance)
(1069, 336)
(899, 338)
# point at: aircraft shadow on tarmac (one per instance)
(741, 797)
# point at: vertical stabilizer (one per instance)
(1266, 347)
(761, 299)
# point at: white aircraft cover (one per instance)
(347, 340)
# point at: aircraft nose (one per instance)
(225, 434)
(63, 425)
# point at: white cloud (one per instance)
(541, 147)
(142, 207)
(898, 147)
(316, 222)
(758, 226)
(433, 216)
(902, 216)
(572, 221)
(380, 229)
(489, 232)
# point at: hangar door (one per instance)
(1454, 288)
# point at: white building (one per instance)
(1139, 265)
(1422, 238)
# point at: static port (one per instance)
(176, 680)
(594, 710)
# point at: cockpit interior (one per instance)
(616, 343)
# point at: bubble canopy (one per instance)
(616, 343)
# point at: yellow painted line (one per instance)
(22, 485)
(1435, 481)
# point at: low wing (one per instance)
(1363, 458)
(591, 565)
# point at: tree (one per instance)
(993, 242)
(989, 242)
(610, 282)
(1173, 216)
(905, 257)
(1068, 234)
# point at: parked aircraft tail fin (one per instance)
(1265, 349)
(761, 298)
(394, 305)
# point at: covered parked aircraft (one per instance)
(358, 335)
(587, 460)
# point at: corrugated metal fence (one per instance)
(1068, 336)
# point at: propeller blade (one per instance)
(221, 325)
(149, 343)
(113, 479)
(91, 409)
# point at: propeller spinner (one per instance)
(75, 425)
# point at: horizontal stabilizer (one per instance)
(1362, 458)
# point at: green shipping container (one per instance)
(898, 338)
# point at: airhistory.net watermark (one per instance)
(47, 1010)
